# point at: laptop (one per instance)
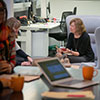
(57, 75)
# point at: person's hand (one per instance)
(58, 50)
(5, 67)
(5, 82)
(75, 53)
(68, 50)
(30, 59)
(58, 55)
(26, 63)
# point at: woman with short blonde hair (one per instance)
(78, 44)
(80, 28)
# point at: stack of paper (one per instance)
(86, 95)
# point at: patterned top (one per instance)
(7, 46)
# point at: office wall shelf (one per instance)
(21, 6)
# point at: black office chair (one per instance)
(62, 35)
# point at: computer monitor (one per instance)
(21, 13)
(38, 12)
(19, 1)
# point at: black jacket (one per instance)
(82, 45)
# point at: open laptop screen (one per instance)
(54, 69)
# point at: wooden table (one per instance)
(32, 90)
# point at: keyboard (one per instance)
(72, 82)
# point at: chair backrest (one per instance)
(75, 10)
(97, 38)
(63, 20)
(91, 22)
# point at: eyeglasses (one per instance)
(2, 9)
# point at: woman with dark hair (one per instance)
(7, 43)
(3, 8)
(78, 44)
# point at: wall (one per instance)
(9, 4)
(85, 7)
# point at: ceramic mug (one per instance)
(63, 48)
(88, 72)
(17, 83)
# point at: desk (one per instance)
(36, 43)
(33, 90)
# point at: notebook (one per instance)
(57, 75)
(80, 95)
(27, 78)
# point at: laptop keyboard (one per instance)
(72, 82)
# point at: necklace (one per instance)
(76, 41)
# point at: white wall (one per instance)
(89, 7)
(85, 7)
(9, 4)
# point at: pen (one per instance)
(75, 95)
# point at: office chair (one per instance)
(62, 35)
(97, 38)
(75, 10)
